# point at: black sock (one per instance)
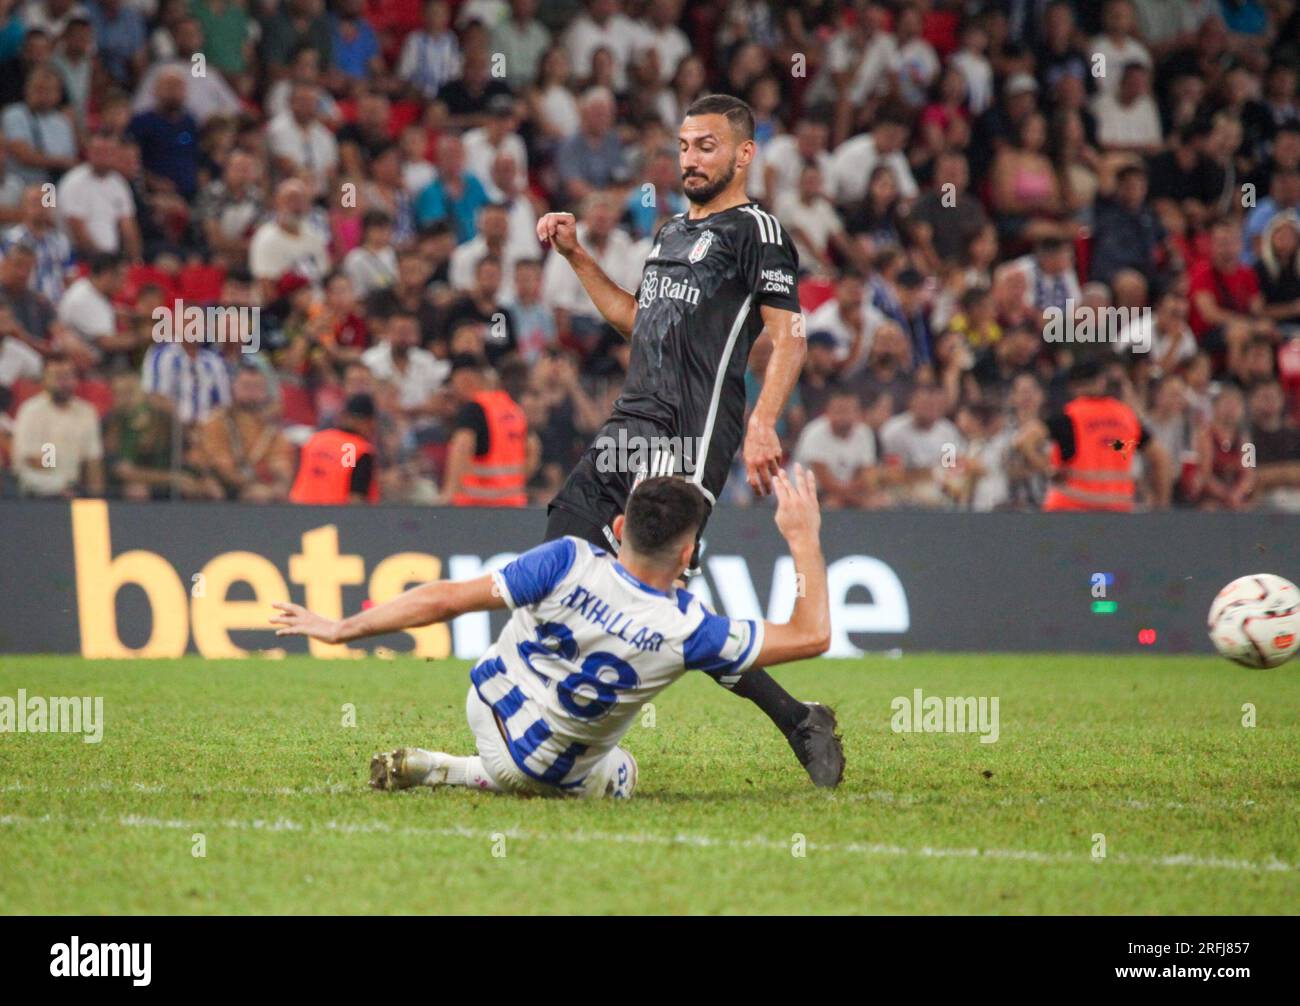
(782, 708)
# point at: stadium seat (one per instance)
(21, 390)
(98, 394)
(142, 275)
(296, 404)
(1082, 254)
(814, 292)
(201, 283)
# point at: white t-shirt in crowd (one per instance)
(842, 456)
(423, 376)
(67, 437)
(783, 157)
(274, 251)
(915, 447)
(852, 164)
(1109, 71)
(100, 201)
(87, 312)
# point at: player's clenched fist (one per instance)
(797, 515)
(560, 230)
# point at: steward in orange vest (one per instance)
(1094, 438)
(338, 465)
(488, 457)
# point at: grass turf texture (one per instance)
(1200, 814)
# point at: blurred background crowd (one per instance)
(365, 177)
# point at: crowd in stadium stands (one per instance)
(355, 185)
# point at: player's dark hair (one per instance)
(737, 112)
(660, 512)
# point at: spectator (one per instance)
(431, 57)
(417, 373)
(189, 379)
(1127, 118)
(228, 209)
(40, 139)
(1227, 308)
(56, 448)
(168, 136)
(491, 454)
(28, 329)
(372, 265)
(1128, 234)
(354, 46)
(943, 220)
(840, 449)
(1283, 197)
(468, 97)
(479, 307)
(593, 157)
(207, 95)
(455, 196)
(285, 243)
(139, 439)
(37, 230)
(1276, 442)
(295, 24)
(889, 368)
(1117, 45)
(915, 444)
(87, 311)
(522, 41)
(301, 145)
(119, 38)
(338, 465)
(492, 241)
(531, 320)
(96, 204)
(601, 26)
(74, 61)
(786, 155)
(816, 228)
(1223, 482)
(855, 160)
(1278, 272)
(242, 446)
(497, 136)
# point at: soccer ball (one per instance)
(1255, 620)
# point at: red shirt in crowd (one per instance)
(1233, 290)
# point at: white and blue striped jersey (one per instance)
(588, 644)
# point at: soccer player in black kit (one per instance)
(718, 277)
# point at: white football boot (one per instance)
(406, 768)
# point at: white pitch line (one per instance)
(873, 796)
(1188, 860)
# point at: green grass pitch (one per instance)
(1199, 813)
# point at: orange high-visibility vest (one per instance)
(325, 469)
(1099, 476)
(497, 477)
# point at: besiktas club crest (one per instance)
(701, 248)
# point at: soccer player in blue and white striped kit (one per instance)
(591, 639)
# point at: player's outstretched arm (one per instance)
(762, 450)
(439, 601)
(798, 517)
(616, 305)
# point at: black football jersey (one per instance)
(682, 407)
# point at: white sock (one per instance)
(469, 772)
